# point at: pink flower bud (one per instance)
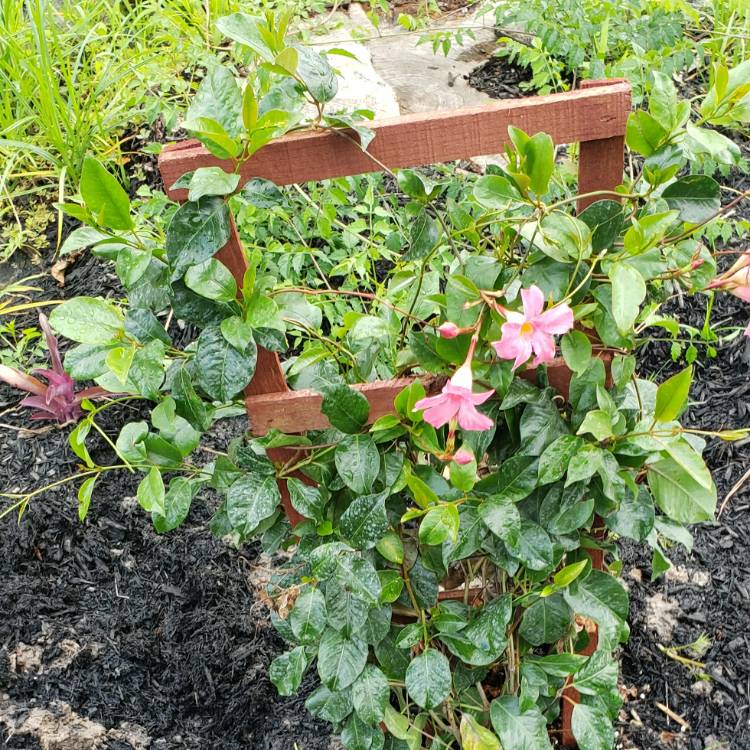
(448, 330)
(463, 456)
(747, 331)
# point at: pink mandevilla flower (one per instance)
(747, 331)
(457, 402)
(531, 331)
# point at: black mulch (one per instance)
(500, 78)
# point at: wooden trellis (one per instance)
(594, 116)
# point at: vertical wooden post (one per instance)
(600, 162)
(600, 167)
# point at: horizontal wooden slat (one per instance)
(590, 114)
(299, 411)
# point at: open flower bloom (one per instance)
(457, 402)
(531, 331)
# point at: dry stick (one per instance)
(733, 492)
(672, 715)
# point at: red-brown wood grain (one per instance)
(588, 114)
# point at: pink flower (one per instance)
(747, 331)
(457, 402)
(737, 283)
(448, 330)
(532, 330)
(463, 456)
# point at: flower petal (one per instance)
(470, 419)
(558, 319)
(480, 398)
(533, 301)
(544, 347)
(442, 410)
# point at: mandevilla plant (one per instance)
(440, 576)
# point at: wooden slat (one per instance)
(600, 162)
(590, 114)
(299, 411)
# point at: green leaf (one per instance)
(391, 547)
(237, 332)
(104, 196)
(576, 350)
(391, 585)
(357, 462)
(197, 231)
(546, 620)
(243, 29)
(356, 735)
(213, 280)
(628, 291)
(341, 659)
(365, 521)
(81, 238)
(519, 730)
(87, 320)
(475, 737)
(598, 423)
(77, 442)
(678, 495)
(212, 181)
(495, 192)
(514, 481)
(531, 545)
(131, 264)
(144, 326)
(439, 524)
(218, 98)
(262, 193)
(176, 506)
(346, 408)
(332, 707)
(501, 516)
(643, 133)
(223, 371)
(370, 695)
(251, 499)
(306, 499)
(602, 598)
(672, 394)
(286, 671)
(592, 728)
(696, 197)
(316, 73)
(308, 617)
(598, 676)
(424, 235)
(85, 491)
(553, 463)
(635, 516)
(150, 492)
(539, 161)
(428, 679)
(605, 219)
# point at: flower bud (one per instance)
(448, 330)
(463, 456)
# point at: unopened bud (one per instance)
(448, 330)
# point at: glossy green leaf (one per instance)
(598, 676)
(308, 616)
(365, 521)
(212, 181)
(177, 502)
(197, 231)
(517, 729)
(553, 463)
(592, 728)
(628, 291)
(357, 462)
(696, 197)
(424, 235)
(213, 280)
(251, 499)
(223, 371)
(346, 408)
(370, 695)
(341, 659)
(475, 737)
(316, 73)
(428, 679)
(150, 492)
(672, 394)
(87, 320)
(439, 524)
(286, 671)
(678, 495)
(104, 196)
(85, 492)
(605, 219)
(546, 620)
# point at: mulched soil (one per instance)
(500, 79)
